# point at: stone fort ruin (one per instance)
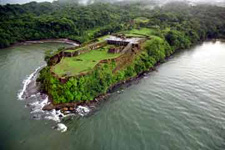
(128, 43)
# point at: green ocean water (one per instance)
(181, 106)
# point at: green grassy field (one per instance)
(143, 32)
(72, 50)
(141, 20)
(139, 32)
(70, 66)
(100, 39)
(103, 38)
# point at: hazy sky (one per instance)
(21, 1)
(26, 1)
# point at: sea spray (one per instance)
(83, 110)
(38, 105)
(22, 95)
(61, 127)
(36, 102)
(54, 115)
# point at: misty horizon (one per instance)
(3, 2)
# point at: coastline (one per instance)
(71, 107)
(60, 40)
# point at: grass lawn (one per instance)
(72, 50)
(141, 20)
(91, 32)
(71, 66)
(103, 38)
(137, 32)
(100, 39)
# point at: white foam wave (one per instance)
(54, 115)
(38, 101)
(38, 105)
(83, 110)
(27, 81)
(61, 127)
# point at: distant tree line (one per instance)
(34, 21)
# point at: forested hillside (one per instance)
(35, 21)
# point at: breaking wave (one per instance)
(61, 127)
(35, 101)
(32, 77)
(83, 110)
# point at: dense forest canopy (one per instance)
(34, 21)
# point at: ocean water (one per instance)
(179, 106)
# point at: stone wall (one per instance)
(127, 48)
(122, 59)
(57, 57)
(119, 43)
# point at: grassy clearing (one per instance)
(91, 32)
(135, 35)
(141, 20)
(85, 62)
(140, 32)
(100, 39)
(73, 50)
(70, 66)
(103, 38)
(143, 32)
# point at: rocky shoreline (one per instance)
(67, 108)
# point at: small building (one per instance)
(123, 41)
(126, 43)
